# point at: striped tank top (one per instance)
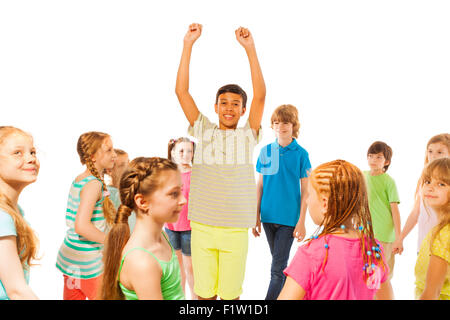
(78, 257)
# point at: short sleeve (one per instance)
(300, 268)
(201, 125)
(441, 244)
(305, 165)
(7, 226)
(392, 192)
(260, 160)
(256, 136)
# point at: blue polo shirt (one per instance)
(282, 169)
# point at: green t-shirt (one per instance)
(382, 192)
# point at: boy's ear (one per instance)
(243, 111)
(216, 108)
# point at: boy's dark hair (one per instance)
(379, 146)
(233, 88)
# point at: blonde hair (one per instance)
(287, 113)
(26, 240)
(143, 176)
(443, 138)
(88, 143)
(439, 169)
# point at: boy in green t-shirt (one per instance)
(383, 201)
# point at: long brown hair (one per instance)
(88, 143)
(143, 176)
(174, 142)
(439, 169)
(345, 187)
(26, 240)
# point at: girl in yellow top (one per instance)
(432, 267)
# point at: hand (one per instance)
(244, 37)
(299, 232)
(193, 33)
(257, 229)
(397, 247)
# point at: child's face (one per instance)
(317, 204)
(229, 108)
(435, 193)
(120, 165)
(18, 162)
(436, 151)
(105, 156)
(167, 201)
(283, 130)
(377, 161)
(183, 152)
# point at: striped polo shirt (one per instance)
(78, 257)
(223, 189)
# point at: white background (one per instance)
(358, 71)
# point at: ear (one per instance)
(141, 203)
(216, 108)
(243, 111)
(324, 204)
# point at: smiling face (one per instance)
(183, 152)
(282, 130)
(435, 193)
(19, 165)
(229, 108)
(105, 156)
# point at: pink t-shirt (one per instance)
(183, 224)
(342, 277)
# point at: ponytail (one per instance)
(116, 240)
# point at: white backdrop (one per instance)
(358, 71)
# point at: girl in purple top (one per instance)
(342, 261)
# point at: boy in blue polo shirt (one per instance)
(283, 168)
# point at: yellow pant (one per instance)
(219, 255)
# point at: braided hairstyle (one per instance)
(88, 143)
(26, 240)
(143, 176)
(348, 207)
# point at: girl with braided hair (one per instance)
(89, 212)
(143, 265)
(19, 167)
(342, 261)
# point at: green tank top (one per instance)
(170, 281)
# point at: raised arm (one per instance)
(182, 86)
(245, 38)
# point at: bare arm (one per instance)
(397, 224)
(89, 195)
(300, 231)
(409, 225)
(143, 274)
(259, 190)
(182, 85)
(291, 290)
(436, 273)
(245, 38)
(11, 273)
